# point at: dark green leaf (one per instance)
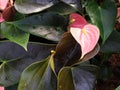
(38, 76)
(76, 78)
(14, 34)
(64, 8)
(68, 51)
(15, 59)
(112, 44)
(65, 80)
(47, 25)
(32, 6)
(103, 15)
(14, 87)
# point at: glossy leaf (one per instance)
(87, 37)
(76, 78)
(15, 34)
(103, 15)
(32, 6)
(3, 4)
(38, 76)
(43, 25)
(67, 51)
(112, 44)
(74, 3)
(62, 8)
(14, 59)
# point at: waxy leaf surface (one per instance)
(77, 78)
(15, 34)
(103, 15)
(38, 76)
(43, 25)
(14, 59)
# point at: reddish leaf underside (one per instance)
(1, 17)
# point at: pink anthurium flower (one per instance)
(3, 4)
(85, 34)
(1, 88)
(7, 10)
(118, 14)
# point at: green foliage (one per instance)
(15, 34)
(14, 59)
(28, 64)
(76, 78)
(104, 16)
(112, 44)
(38, 76)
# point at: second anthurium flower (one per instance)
(87, 35)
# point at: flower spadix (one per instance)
(85, 34)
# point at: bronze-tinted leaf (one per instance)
(68, 51)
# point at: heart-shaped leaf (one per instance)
(43, 25)
(77, 78)
(87, 37)
(103, 15)
(14, 34)
(38, 76)
(32, 6)
(3, 4)
(14, 59)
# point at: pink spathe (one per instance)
(3, 4)
(87, 35)
(1, 88)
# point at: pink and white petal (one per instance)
(90, 39)
(1, 88)
(87, 40)
(3, 4)
(75, 33)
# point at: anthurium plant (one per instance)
(54, 44)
